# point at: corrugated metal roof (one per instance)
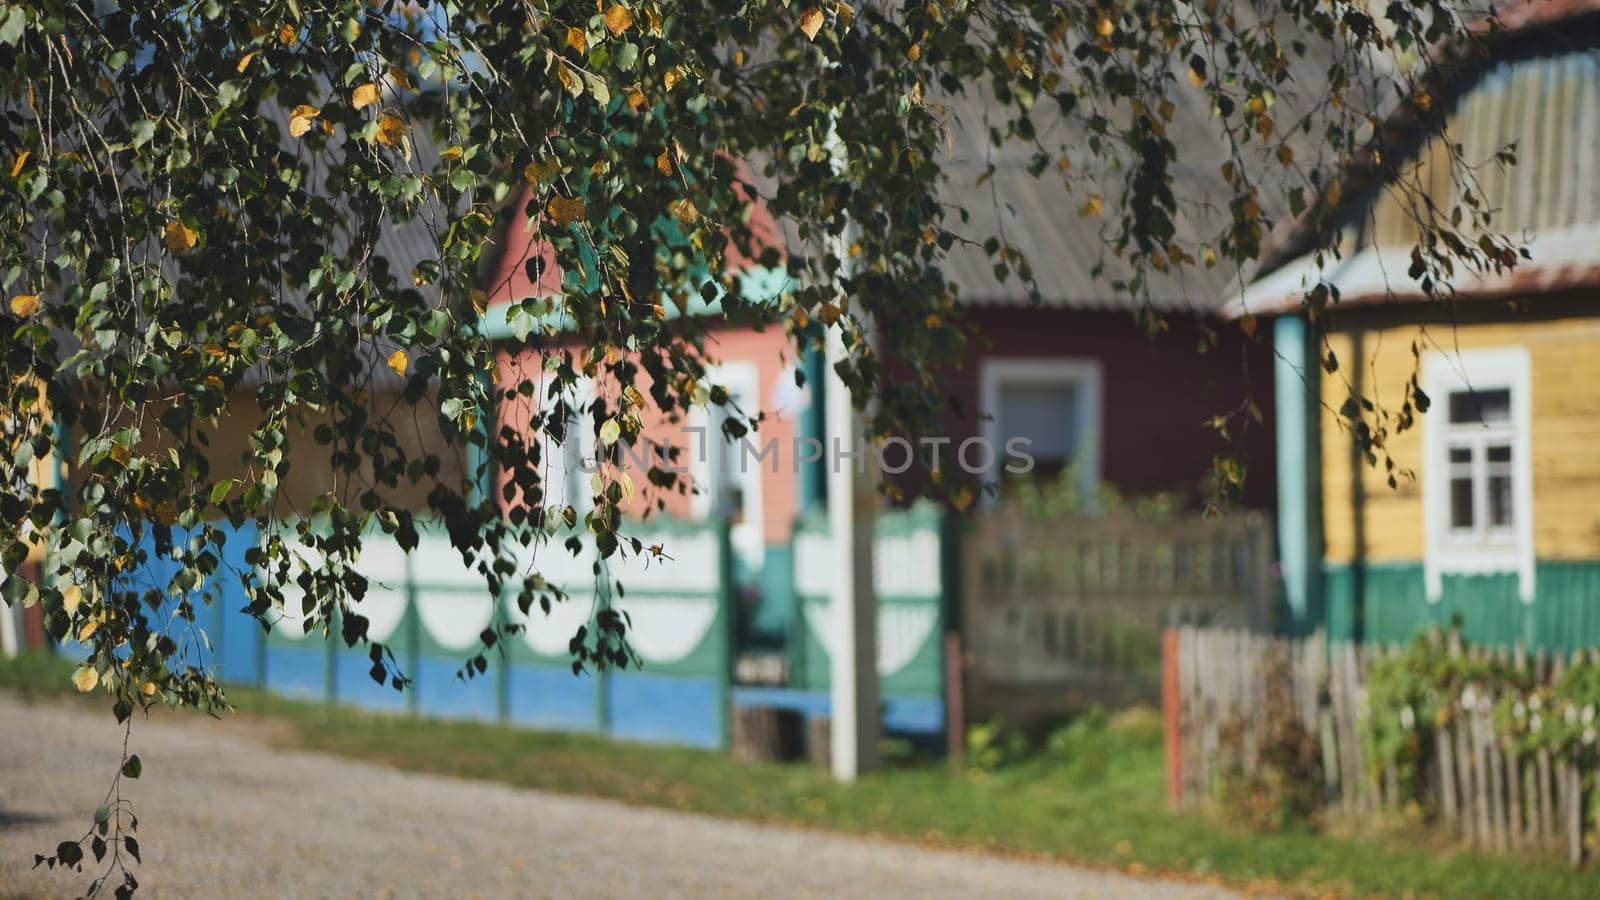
(1539, 90)
(1071, 255)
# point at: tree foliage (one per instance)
(193, 197)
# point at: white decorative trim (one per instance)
(1480, 370)
(1081, 372)
(551, 635)
(453, 619)
(667, 629)
(902, 631)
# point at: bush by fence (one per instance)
(1496, 745)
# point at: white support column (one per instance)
(851, 501)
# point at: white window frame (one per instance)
(1449, 551)
(742, 380)
(1082, 374)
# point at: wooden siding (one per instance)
(1565, 392)
(1160, 391)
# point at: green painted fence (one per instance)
(1393, 604)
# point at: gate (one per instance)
(1060, 614)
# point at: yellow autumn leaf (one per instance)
(1196, 79)
(636, 100)
(569, 82)
(540, 171)
(1104, 26)
(391, 130)
(398, 362)
(961, 499)
(811, 23)
(244, 62)
(672, 77)
(22, 160)
(300, 119)
(88, 630)
(653, 21)
(664, 162)
(364, 95)
(85, 679)
(619, 18)
(179, 238)
(565, 210)
(148, 689)
(1247, 324)
(451, 153)
(684, 211)
(71, 598)
(24, 305)
(1093, 207)
(577, 40)
(286, 34)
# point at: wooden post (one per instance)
(955, 713)
(1171, 712)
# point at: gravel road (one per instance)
(225, 815)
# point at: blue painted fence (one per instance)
(430, 608)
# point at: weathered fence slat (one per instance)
(1236, 689)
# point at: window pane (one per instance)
(1480, 407)
(1500, 453)
(1499, 501)
(1461, 503)
(1461, 454)
(1045, 413)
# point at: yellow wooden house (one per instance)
(1486, 506)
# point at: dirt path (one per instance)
(224, 815)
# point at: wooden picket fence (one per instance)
(1221, 688)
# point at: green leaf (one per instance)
(142, 132)
(132, 767)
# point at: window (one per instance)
(1053, 404)
(1477, 478)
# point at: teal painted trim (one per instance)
(814, 474)
(330, 658)
(479, 466)
(261, 657)
(1297, 377)
(1563, 616)
(725, 601)
(769, 625)
(502, 666)
(757, 287)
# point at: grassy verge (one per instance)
(1099, 801)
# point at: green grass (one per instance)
(1099, 801)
